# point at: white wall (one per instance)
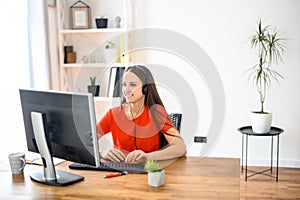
(222, 29)
(14, 75)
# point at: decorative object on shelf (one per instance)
(118, 22)
(70, 55)
(93, 88)
(110, 52)
(124, 56)
(156, 174)
(101, 22)
(80, 15)
(85, 59)
(270, 48)
(52, 3)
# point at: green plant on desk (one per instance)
(152, 166)
(156, 174)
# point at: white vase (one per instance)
(110, 55)
(156, 179)
(261, 122)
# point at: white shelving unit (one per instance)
(107, 30)
(92, 65)
(89, 44)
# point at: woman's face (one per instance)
(132, 87)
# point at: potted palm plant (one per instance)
(270, 49)
(93, 88)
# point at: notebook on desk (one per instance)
(111, 166)
(35, 159)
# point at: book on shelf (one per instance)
(115, 81)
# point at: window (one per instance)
(14, 74)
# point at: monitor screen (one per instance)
(60, 124)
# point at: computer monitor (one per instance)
(60, 124)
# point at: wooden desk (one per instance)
(186, 178)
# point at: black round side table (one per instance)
(247, 131)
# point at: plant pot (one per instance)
(156, 179)
(94, 89)
(261, 122)
(110, 55)
(101, 22)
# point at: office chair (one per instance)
(176, 119)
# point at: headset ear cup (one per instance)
(145, 89)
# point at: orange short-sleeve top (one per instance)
(141, 133)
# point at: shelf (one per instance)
(89, 44)
(94, 65)
(102, 30)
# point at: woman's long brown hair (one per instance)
(152, 99)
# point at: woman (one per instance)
(141, 128)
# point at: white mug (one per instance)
(17, 162)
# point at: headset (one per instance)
(145, 85)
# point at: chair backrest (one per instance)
(176, 120)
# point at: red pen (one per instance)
(115, 174)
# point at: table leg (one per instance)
(271, 154)
(277, 158)
(246, 158)
(242, 152)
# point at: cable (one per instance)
(136, 147)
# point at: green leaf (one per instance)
(152, 166)
(93, 80)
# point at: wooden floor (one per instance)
(263, 187)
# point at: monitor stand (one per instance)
(49, 176)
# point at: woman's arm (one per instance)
(175, 149)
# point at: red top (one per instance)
(147, 132)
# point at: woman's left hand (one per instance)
(136, 156)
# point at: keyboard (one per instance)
(111, 166)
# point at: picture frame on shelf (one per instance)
(51, 3)
(80, 18)
(80, 15)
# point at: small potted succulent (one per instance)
(101, 22)
(93, 88)
(156, 174)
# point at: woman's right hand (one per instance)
(113, 154)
